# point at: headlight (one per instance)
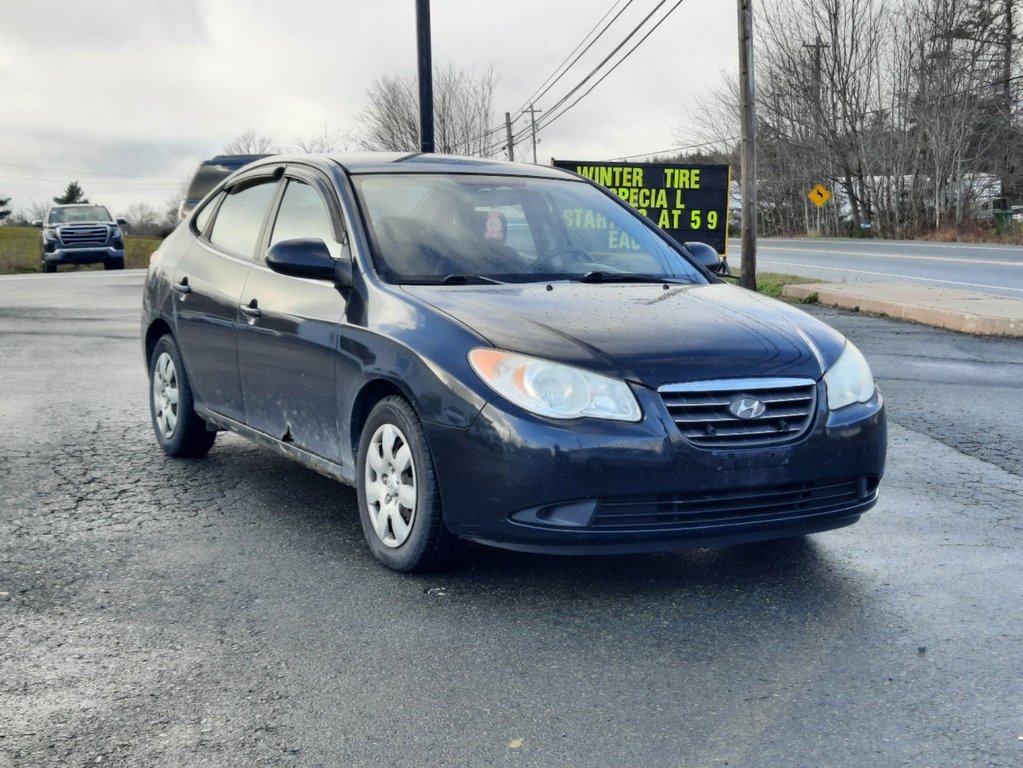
(115, 233)
(849, 380)
(552, 389)
(51, 234)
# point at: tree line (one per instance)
(905, 109)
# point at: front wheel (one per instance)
(179, 430)
(114, 264)
(399, 499)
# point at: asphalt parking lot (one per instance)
(225, 612)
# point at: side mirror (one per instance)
(122, 221)
(37, 223)
(706, 255)
(309, 257)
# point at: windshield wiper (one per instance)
(470, 279)
(599, 276)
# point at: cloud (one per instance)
(153, 87)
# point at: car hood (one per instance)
(644, 332)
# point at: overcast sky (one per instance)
(128, 97)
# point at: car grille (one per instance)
(723, 508)
(700, 410)
(84, 235)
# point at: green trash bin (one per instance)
(1003, 221)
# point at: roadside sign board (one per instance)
(689, 202)
(819, 195)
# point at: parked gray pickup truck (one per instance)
(80, 234)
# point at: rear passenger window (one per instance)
(203, 217)
(236, 228)
(303, 214)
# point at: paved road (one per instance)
(224, 612)
(994, 269)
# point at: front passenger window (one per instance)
(240, 217)
(303, 214)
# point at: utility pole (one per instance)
(817, 47)
(511, 144)
(532, 119)
(425, 55)
(747, 107)
(1010, 34)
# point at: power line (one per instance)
(84, 174)
(93, 182)
(538, 93)
(551, 118)
(541, 90)
(606, 59)
(674, 149)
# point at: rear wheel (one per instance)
(399, 499)
(179, 430)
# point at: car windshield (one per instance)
(79, 213)
(466, 228)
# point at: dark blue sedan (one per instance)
(501, 353)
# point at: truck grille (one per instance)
(700, 410)
(84, 235)
(723, 508)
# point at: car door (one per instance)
(288, 344)
(209, 281)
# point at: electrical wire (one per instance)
(541, 89)
(84, 173)
(674, 149)
(538, 93)
(551, 117)
(596, 69)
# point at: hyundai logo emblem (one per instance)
(747, 408)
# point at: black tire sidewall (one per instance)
(428, 523)
(190, 438)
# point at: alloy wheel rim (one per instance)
(165, 395)
(390, 485)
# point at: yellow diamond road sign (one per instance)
(819, 195)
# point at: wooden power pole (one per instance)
(747, 107)
(511, 142)
(532, 120)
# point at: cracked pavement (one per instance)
(224, 611)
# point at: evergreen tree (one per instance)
(72, 194)
(4, 210)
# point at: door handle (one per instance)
(251, 309)
(183, 286)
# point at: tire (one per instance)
(178, 429)
(49, 268)
(399, 498)
(114, 264)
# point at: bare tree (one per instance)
(905, 109)
(251, 143)
(36, 210)
(324, 142)
(143, 219)
(463, 112)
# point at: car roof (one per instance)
(417, 162)
(233, 161)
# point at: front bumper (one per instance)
(90, 255)
(522, 482)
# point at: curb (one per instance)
(962, 311)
